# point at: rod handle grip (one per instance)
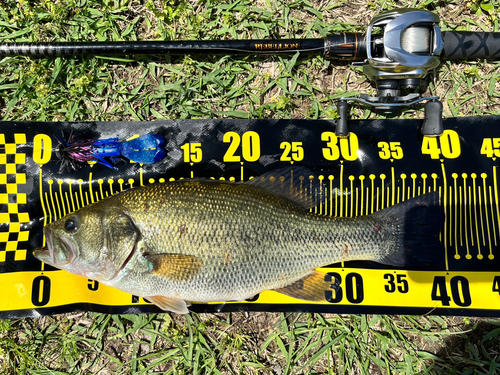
(465, 45)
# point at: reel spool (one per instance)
(416, 39)
(397, 59)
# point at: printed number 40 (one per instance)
(460, 291)
(447, 145)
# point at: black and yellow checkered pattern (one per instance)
(12, 236)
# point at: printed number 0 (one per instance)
(42, 148)
(40, 291)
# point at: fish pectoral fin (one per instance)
(176, 267)
(175, 305)
(309, 288)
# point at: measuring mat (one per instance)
(380, 164)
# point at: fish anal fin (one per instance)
(309, 288)
(175, 305)
(176, 267)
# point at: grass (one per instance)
(163, 87)
(265, 343)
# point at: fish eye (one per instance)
(71, 225)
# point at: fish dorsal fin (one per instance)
(309, 288)
(296, 184)
(175, 305)
(176, 267)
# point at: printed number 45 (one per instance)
(491, 147)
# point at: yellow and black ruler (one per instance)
(380, 164)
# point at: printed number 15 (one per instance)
(192, 152)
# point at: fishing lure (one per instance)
(75, 154)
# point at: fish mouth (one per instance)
(55, 246)
(46, 254)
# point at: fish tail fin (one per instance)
(414, 227)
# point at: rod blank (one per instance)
(346, 46)
(306, 46)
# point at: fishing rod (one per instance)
(398, 50)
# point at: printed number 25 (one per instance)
(292, 151)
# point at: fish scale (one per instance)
(253, 228)
(205, 241)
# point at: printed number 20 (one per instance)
(250, 146)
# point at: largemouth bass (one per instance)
(201, 241)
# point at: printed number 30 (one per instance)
(347, 147)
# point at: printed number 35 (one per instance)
(400, 279)
(390, 150)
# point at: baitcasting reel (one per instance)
(402, 46)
